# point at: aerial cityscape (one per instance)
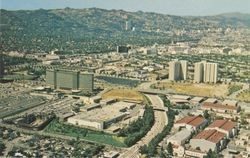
(120, 79)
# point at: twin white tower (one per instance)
(203, 71)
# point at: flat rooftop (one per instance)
(218, 106)
(196, 99)
(180, 97)
(230, 102)
(105, 113)
(211, 100)
(180, 135)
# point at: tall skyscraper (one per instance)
(198, 72)
(174, 68)
(70, 80)
(184, 69)
(205, 72)
(178, 70)
(210, 72)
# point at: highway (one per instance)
(160, 122)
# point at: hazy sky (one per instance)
(175, 7)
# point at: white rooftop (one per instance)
(183, 134)
(211, 100)
(197, 99)
(105, 113)
(184, 97)
(230, 102)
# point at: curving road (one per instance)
(160, 122)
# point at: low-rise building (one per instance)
(192, 123)
(111, 154)
(195, 153)
(217, 107)
(107, 101)
(178, 151)
(241, 143)
(230, 102)
(180, 137)
(90, 107)
(208, 139)
(225, 126)
(179, 99)
(211, 100)
(100, 118)
(196, 100)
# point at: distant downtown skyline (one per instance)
(174, 7)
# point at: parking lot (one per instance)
(17, 103)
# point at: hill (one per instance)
(98, 30)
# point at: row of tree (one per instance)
(139, 128)
(150, 149)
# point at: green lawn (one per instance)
(234, 88)
(105, 138)
(83, 133)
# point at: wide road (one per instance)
(159, 124)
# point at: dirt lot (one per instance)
(219, 90)
(123, 94)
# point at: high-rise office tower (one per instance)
(70, 80)
(198, 72)
(174, 68)
(184, 69)
(205, 72)
(210, 72)
(178, 70)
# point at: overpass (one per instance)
(155, 91)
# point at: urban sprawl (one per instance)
(181, 99)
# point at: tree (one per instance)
(170, 149)
(1, 133)
(143, 149)
(162, 155)
(2, 147)
(206, 114)
(11, 136)
(76, 109)
(211, 154)
(137, 129)
(71, 142)
(18, 134)
(77, 138)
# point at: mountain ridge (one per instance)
(77, 29)
(218, 14)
